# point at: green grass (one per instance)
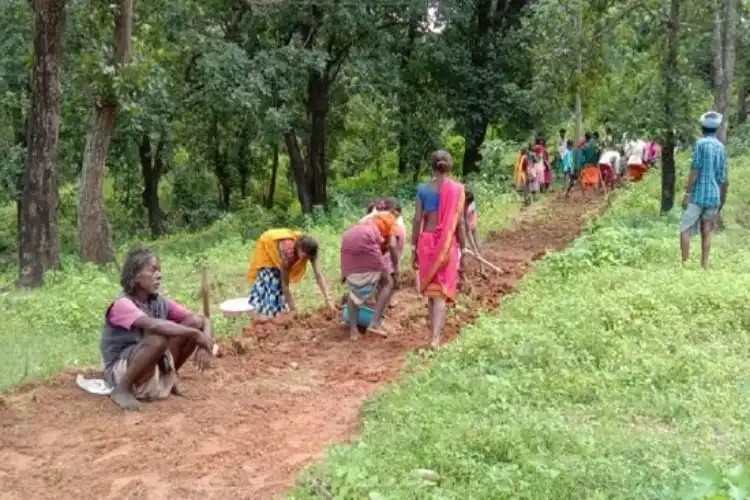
(56, 327)
(613, 373)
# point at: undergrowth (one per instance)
(614, 372)
(58, 326)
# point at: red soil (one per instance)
(272, 403)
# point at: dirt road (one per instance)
(250, 425)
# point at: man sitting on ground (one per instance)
(146, 337)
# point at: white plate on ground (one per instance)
(236, 307)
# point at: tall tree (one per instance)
(39, 247)
(94, 234)
(152, 168)
(724, 39)
(475, 71)
(671, 76)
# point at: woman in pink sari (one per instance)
(438, 233)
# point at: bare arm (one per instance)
(416, 225)
(204, 355)
(475, 239)
(461, 233)
(320, 280)
(692, 177)
(393, 251)
(200, 322)
(166, 328)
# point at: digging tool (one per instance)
(204, 293)
(484, 261)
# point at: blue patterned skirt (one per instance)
(267, 294)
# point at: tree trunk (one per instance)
(152, 168)
(317, 109)
(417, 172)
(297, 166)
(742, 108)
(221, 169)
(579, 76)
(274, 174)
(724, 38)
(477, 121)
(671, 83)
(311, 173)
(221, 165)
(39, 239)
(94, 233)
(21, 137)
(405, 112)
(243, 163)
(474, 140)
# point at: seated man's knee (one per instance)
(155, 342)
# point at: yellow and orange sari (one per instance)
(437, 251)
(266, 255)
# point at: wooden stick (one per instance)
(204, 291)
(484, 261)
(205, 304)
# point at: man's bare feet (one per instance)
(354, 336)
(179, 390)
(125, 400)
(379, 329)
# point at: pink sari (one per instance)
(437, 252)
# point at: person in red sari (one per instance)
(438, 235)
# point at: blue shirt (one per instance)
(709, 158)
(429, 197)
(567, 161)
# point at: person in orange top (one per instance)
(363, 266)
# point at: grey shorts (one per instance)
(693, 216)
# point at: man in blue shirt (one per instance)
(705, 188)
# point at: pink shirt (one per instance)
(124, 313)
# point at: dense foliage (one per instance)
(234, 105)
